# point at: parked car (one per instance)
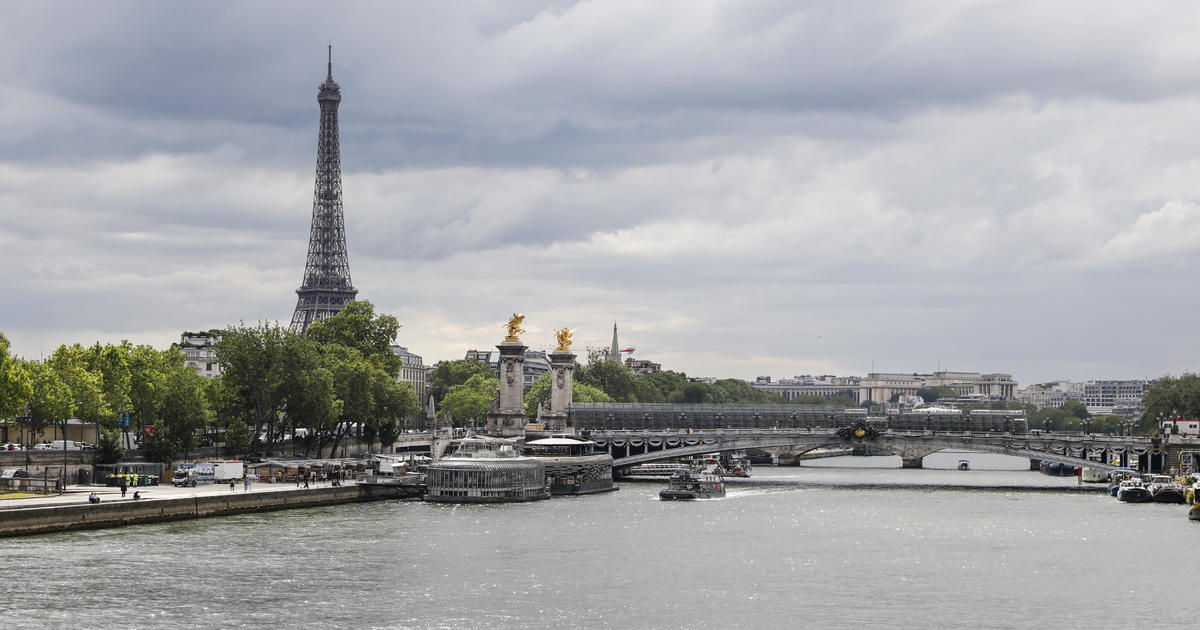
(14, 473)
(44, 446)
(11, 447)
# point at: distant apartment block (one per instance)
(826, 386)
(1051, 395)
(642, 367)
(197, 349)
(880, 387)
(536, 363)
(1120, 398)
(414, 371)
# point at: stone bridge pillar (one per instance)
(507, 418)
(562, 384)
(911, 454)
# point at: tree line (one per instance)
(336, 381)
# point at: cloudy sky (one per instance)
(746, 188)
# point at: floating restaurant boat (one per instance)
(688, 484)
(486, 470)
(1132, 491)
(573, 465)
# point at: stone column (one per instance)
(562, 383)
(508, 419)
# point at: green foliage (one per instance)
(1170, 396)
(357, 327)
(610, 377)
(932, 394)
(15, 386)
(1076, 408)
(109, 449)
(183, 409)
(447, 374)
(237, 437)
(539, 394)
(469, 402)
(254, 368)
(158, 444)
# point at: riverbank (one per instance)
(73, 511)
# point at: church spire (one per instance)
(615, 353)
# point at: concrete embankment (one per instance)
(23, 521)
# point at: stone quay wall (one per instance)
(44, 520)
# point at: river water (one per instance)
(842, 542)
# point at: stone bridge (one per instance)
(629, 447)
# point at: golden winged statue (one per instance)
(514, 326)
(564, 340)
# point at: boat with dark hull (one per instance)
(1163, 489)
(1132, 491)
(1056, 469)
(689, 484)
(1194, 513)
(573, 465)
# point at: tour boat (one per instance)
(687, 484)
(1132, 491)
(1163, 489)
(964, 464)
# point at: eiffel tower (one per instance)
(326, 288)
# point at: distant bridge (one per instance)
(630, 447)
(638, 433)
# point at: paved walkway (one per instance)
(79, 494)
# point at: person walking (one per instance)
(233, 485)
(246, 483)
(124, 486)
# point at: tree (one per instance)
(110, 364)
(254, 364)
(447, 374)
(393, 403)
(1075, 408)
(659, 386)
(109, 450)
(1170, 397)
(357, 326)
(147, 369)
(50, 399)
(183, 409)
(610, 377)
(539, 394)
(932, 394)
(15, 386)
(237, 437)
(470, 401)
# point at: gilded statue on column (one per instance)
(514, 327)
(564, 340)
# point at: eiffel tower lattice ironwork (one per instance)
(326, 288)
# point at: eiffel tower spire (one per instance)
(326, 287)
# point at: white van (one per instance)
(65, 445)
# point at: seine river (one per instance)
(843, 542)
